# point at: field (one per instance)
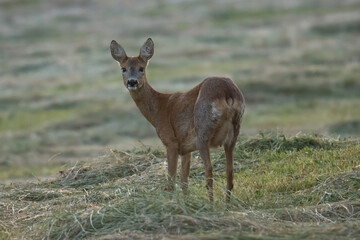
(77, 159)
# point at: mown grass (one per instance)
(284, 186)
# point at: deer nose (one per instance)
(132, 83)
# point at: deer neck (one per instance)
(148, 100)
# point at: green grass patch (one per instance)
(278, 180)
(17, 3)
(26, 120)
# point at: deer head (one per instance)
(133, 68)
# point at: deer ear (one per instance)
(147, 50)
(117, 52)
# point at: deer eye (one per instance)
(141, 69)
(123, 70)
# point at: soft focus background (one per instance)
(61, 94)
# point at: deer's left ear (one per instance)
(147, 50)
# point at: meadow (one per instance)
(77, 159)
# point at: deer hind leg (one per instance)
(185, 170)
(205, 155)
(229, 150)
(205, 122)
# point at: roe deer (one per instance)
(209, 115)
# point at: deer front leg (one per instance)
(185, 170)
(172, 158)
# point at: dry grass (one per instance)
(121, 195)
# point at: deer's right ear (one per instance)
(117, 52)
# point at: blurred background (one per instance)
(62, 99)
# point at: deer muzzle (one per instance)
(132, 83)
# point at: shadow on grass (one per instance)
(337, 28)
(346, 128)
(281, 143)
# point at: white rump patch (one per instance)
(215, 113)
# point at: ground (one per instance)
(291, 188)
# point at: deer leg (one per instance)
(229, 150)
(185, 170)
(229, 153)
(204, 125)
(205, 155)
(172, 159)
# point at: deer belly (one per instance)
(188, 145)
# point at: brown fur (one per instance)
(209, 115)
